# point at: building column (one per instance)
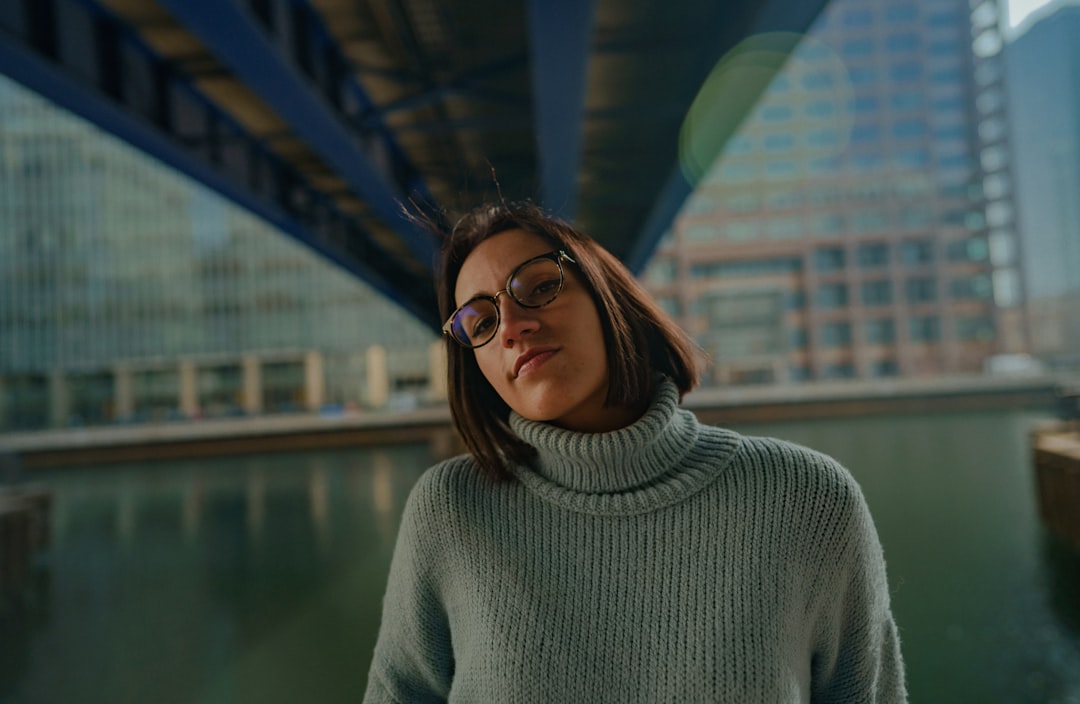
(123, 393)
(253, 392)
(314, 384)
(189, 389)
(378, 379)
(437, 370)
(59, 399)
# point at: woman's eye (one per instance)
(546, 287)
(482, 325)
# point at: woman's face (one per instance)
(550, 363)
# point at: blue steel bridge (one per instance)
(324, 116)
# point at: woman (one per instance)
(598, 544)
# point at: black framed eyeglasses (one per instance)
(533, 284)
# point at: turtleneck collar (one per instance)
(637, 468)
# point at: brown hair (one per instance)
(640, 338)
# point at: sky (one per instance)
(1020, 9)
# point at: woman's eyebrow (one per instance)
(505, 281)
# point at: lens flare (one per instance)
(816, 86)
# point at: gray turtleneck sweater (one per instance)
(664, 562)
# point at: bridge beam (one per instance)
(86, 60)
(289, 60)
(560, 34)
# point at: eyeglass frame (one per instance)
(557, 256)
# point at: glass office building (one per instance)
(128, 292)
(1043, 66)
(859, 223)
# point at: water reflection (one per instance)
(261, 578)
(194, 495)
(382, 495)
(319, 502)
(233, 579)
(1062, 569)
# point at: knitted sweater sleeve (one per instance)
(413, 659)
(856, 646)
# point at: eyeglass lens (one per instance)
(534, 284)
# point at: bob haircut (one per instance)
(640, 338)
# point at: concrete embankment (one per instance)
(24, 531)
(731, 405)
(1056, 450)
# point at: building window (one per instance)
(742, 230)
(866, 134)
(699, 232)
(739, 144)
(975, 328)
(671, 305)
(662, 270)
(916, 219)
(916, 253)
(745, 267)
(867, 221)
(831, 259)
(947, 47)
(880, 331)
(905, 71)
(827, 225)
(922, 289)
(972, 249)
(820, 109)
(862, 76)
(817, 80)
(835, 334)
(799, 373)
(784, 228)
(783, 200)
(908, 41)
(946, 19)
(776, 113)
(975, 287)
(780, 168)
(858, 18)
(947, 76)
(877, 293)
(909, 129)
(741, 203)
(832, 295)
(778, 142)
(924, 328)
(898, 14)
(798, 338)
(838, 371)
(884, 367)
(907, 100)
(874, 255)
(736, 172)
(857, 48)
(826, 138)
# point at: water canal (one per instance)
(258, 579)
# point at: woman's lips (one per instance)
(530, 361)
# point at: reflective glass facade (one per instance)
(1043, 68)
(871, 184)
(128, 292)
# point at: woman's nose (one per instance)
(516, 321)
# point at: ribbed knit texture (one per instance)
(664, 562)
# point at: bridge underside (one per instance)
(325, 116)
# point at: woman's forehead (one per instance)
(487, 267)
